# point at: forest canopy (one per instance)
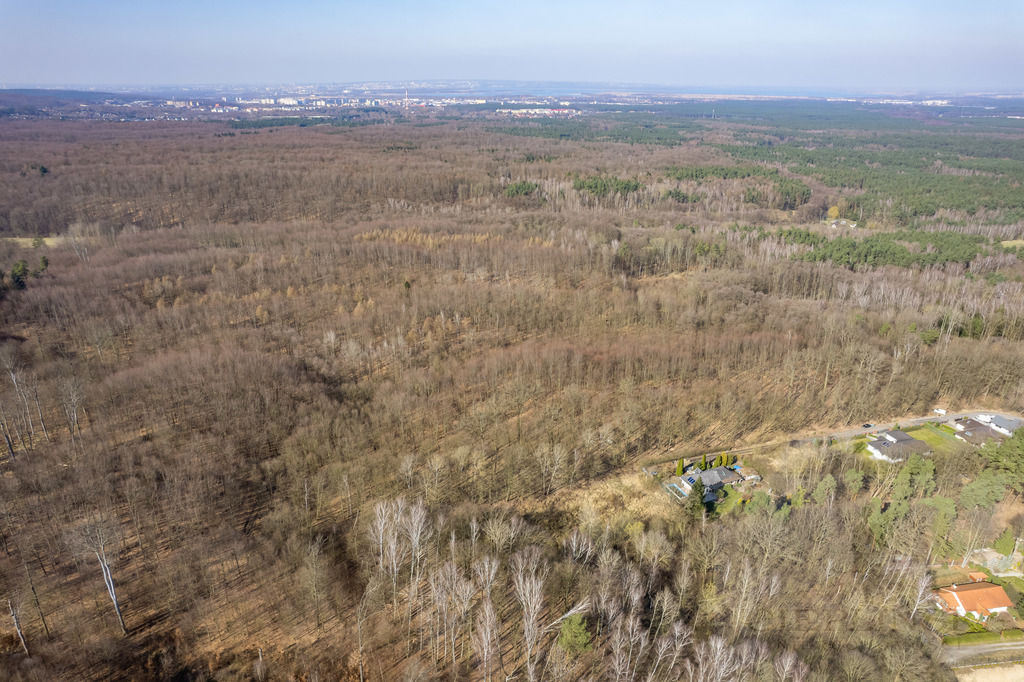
(352, 402)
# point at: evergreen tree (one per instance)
(695, 502)
(1005, 542)
(574, 637)
(19, 273)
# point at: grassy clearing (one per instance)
(1013, 243)
(29, 242)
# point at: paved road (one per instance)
(973, 652)
(853, 433)
(860, 431)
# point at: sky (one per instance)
(890, 45)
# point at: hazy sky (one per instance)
(873, 44)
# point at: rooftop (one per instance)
(981, 598)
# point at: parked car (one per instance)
(866, 426)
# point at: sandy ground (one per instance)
(1007, 673)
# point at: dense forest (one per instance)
(371, 401)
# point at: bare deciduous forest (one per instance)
(371, 403)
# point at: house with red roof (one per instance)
(980, 599)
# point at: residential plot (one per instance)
(933, 436)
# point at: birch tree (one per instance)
(14, 606)
(98, 538)
(486, 638)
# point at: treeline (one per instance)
(901, 178)
(890, 248)
(602, 186)
(788, 193)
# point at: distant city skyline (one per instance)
(732, 44)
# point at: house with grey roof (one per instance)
(975, 432)
(1000, 424)
(896, 446)
(713, 479)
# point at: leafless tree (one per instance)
(407, 468)
(316, 577)
(973, 527)
(365, 608)
(748, 591)
(578, 546)
(14, 605)
(416, 526)
(486, 571)
(669, 649)
(99, 537)
(15, 371)
(550, 461)
(921, 594)
(32, 388)
(786, 664)
(528, 574)
(6, 430)
(395, 548)
(503, 532)
(486, 638)
(713, 661)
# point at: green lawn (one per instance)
(931, 435)
(732, 498)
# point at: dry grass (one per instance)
(27, 242)
(617, 501)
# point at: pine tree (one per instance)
(695, 502)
